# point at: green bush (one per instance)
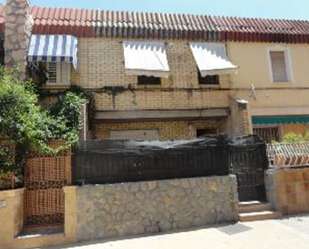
(26, 124)
(294, 138)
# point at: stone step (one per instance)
(254, 206)
(263, 215)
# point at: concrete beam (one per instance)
(162, 114)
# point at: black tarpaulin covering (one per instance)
(245, 141)
(101, 162)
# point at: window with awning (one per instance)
(211, 59)
(53, 48)
(146, 59)
(59, 52)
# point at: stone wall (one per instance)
(18, 27)
(115, 210)
(288, 189)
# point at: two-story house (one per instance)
(170, 76)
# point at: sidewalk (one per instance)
(287, 233)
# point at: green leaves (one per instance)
(25, 123)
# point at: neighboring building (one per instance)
(165, 76)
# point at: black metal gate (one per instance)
(248, 161)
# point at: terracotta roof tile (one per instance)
(92, 23)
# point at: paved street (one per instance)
(287, 233)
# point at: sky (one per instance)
(287, 9)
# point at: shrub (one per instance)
(26, 124)
(293, 138)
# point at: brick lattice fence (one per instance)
(45, 177)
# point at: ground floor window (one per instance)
(268, 133)
(207, 131)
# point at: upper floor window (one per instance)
(208, 80)
(58, 73)
(280, 65)
(148, 80)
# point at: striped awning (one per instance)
(53, 48)
(211, 59)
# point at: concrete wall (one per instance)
(254, 68)
(11, 220)
(149, 207)
(288, 189)
(11, 214)
(295, 128)
(270, 98)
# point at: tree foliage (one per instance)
(25, 123)
(295, 138)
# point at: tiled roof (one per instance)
(92, 23)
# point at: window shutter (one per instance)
(279, 68)
(59, 73)
(65, 73)
(52, 73)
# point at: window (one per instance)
(204, 132)
(208, 80)
(280, 69)
(145, 80)
(58, 73)
(268, 133)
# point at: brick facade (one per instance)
(239, 122)
(101, 64)
(167, 130)
(101, 70)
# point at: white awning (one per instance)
(146, 58)
(211, 59)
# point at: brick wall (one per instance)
(101, 64)
(167, 130)
(151, 99)
(101, 67)
(239, 122)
